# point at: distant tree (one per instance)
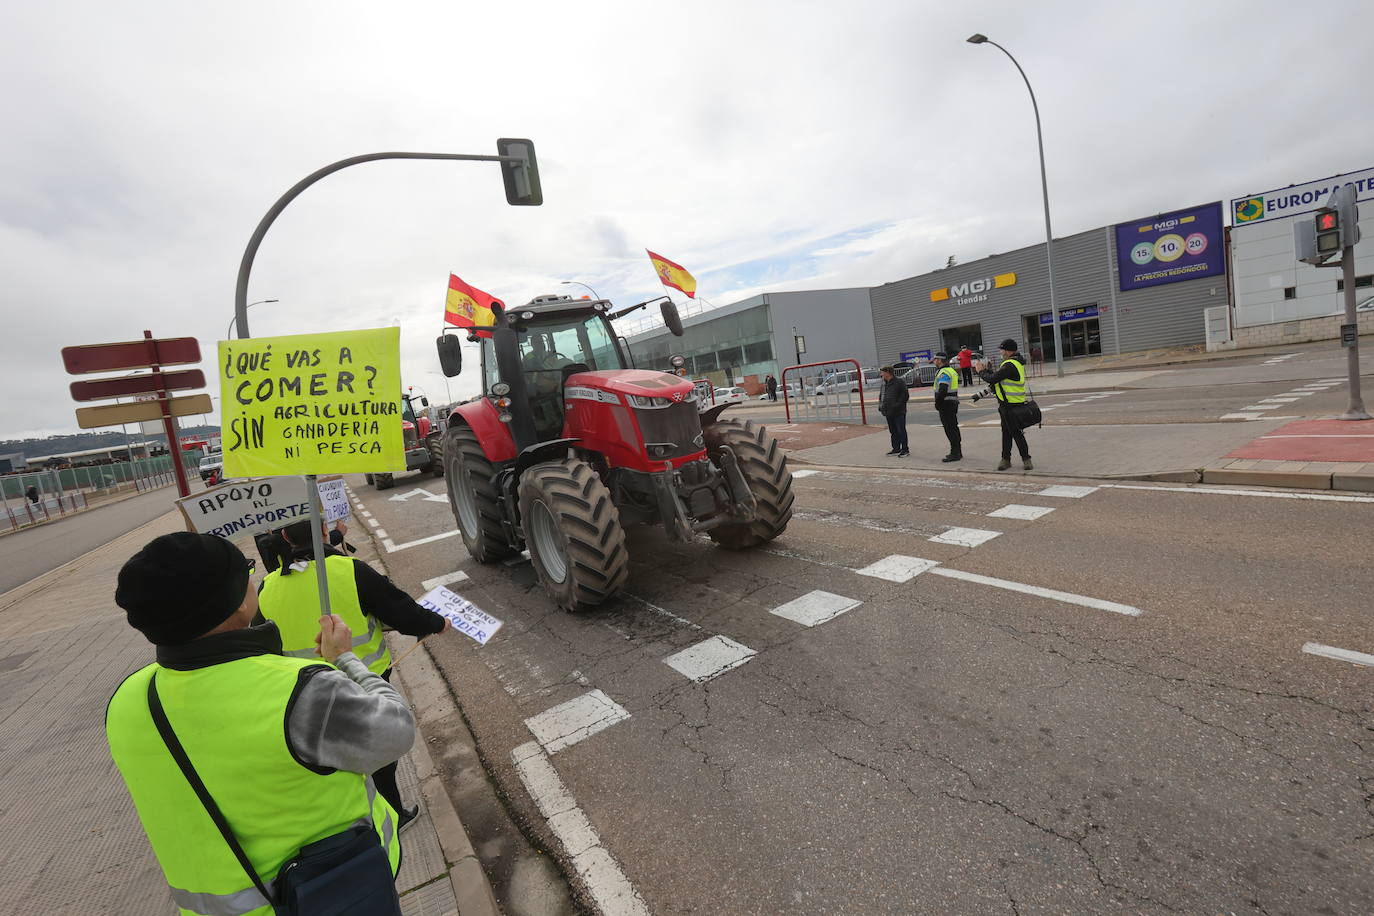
(952, 261)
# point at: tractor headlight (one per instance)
(649, 403)
(504, 416)
(677, 362)
(500, 389)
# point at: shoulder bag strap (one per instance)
(173, 743)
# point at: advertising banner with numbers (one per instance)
(1182, 245)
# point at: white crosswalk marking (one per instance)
(897, 568)
(1028, 513)
(579, 718)
(965, 537)
(1068, 492)
(446, 579)
(815, 608)
(709, 658)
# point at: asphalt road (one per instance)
(34, 551)
(946, 744)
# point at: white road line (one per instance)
(1277, 401)
(392, 547)
(796, 474)
(446, 579)
(1067, 492)
(1267, 494)
(1323, 436)
(1052, 594)
(1335, 381)
(373, 522)
(997, 420)
(1261, 407)
(709, 658)
(611, 892)
(581, 717)
(1240, 416)
(965, 537)
(897, 568)
(663, 612)
(1342, 655)
(1028, 513)
(1299, 394)
(381, 533)
(815, 608)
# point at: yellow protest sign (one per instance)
(312, 403)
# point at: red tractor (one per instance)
(568, 444)
(424, 443)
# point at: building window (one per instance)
(1290, 292)
(1360, 282)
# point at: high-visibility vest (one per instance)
(230, 718)
(293, 602)
(1013, 392)
(949, 374)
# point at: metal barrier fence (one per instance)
(30, 497)
(706, 393)
(833, 390)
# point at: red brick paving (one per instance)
(1314, 440)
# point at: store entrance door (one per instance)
(952, 340)
(1078, 330)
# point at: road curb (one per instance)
(429, 696)
(1300, 480)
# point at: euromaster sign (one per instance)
(312, 404)
(1182, 245)
(971, 291)
(1299, 198)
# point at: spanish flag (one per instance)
(674, 275)
(467, 306)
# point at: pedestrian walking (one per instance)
(966, 365)
(32, 494)
(892, 404)
(772, 385)
(947, 404)
(1009, 385)
(363, 597)
(242, 762)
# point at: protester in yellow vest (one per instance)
(1009, 385)
(282, 745)
(363, 597)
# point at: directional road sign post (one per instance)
(148, 353)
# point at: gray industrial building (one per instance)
(744, 342)
(1007, 295)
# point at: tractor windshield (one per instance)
(407, 411)
(548, 349)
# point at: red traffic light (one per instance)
(1327, 221)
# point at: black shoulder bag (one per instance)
(1027, 413)
(347, 874)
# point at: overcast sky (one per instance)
(764, 146)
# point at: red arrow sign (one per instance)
(133, 354)
(97, 389)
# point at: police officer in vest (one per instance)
(282, 745)
(947, 404)
(363, 597)
(1009, 385)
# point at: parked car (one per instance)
(210, 464)
(733, 395)
(848, 382)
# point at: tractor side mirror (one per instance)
(424, 401)
(450, 355)
(670, 317)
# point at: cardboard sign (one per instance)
(247, 506)
(312, 403)
(333, 500)
(253, 506)
(466, 617)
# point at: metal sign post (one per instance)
(1355, 410)
(312, 485)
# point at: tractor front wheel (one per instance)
(573, 532)
(764, 467)
(473, 496)
(384, 481)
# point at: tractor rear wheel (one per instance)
(368, 478)
(765, 470)
(573, 531)
(435, 444)
(473, 496)
(384, 481)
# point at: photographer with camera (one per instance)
(1009, 385)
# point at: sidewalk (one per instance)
(1184, 452)
(75, 845)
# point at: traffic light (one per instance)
(1328, 231)
(521, 177)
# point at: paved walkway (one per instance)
(74, 844)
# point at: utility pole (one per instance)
(1336, 228)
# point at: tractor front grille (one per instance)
(670, 432)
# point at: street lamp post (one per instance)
(978, 39)
(584, 286)
(229, 330)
